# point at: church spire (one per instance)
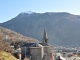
(45, 37)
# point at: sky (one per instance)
(11, 8)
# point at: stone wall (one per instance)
(35, 53)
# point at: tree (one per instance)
(2, 45)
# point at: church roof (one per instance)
(44, 44)
(27, 44)
(34, 44)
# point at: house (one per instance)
(60, 58)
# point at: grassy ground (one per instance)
(7, 56)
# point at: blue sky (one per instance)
(11, 8)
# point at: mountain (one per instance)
(14, 36)
(63, 28)
(29, 12)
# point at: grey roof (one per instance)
(44, 44)
(30, 45)
(27, 44)
(34, 44)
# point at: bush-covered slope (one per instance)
(14, 36)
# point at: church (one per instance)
(37, 51)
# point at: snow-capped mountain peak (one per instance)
(30, 12)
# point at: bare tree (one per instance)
(2, 46)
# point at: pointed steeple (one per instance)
(45, 37)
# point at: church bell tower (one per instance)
(45, 37)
